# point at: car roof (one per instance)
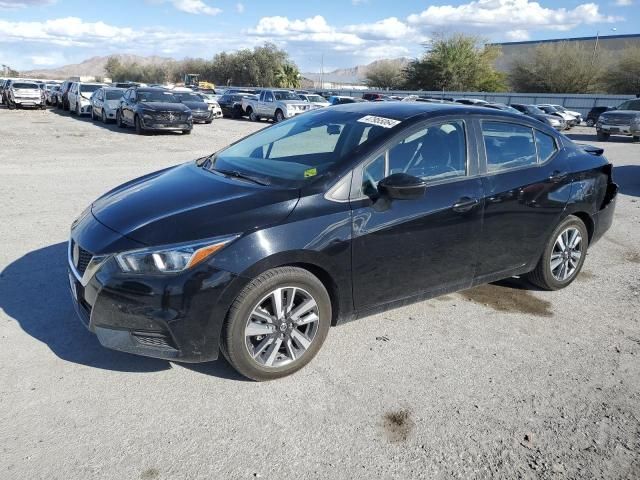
(151, 89)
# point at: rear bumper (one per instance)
(604, 218)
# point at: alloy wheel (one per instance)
(281, 327)
(566, 254)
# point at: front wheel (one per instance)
(187, 132)
(563, 255)
(279, 116)
(104, 117)
(277, 323)
(603, 137)
(635, 138)
(590, 122)
(119, 121)
(139, 128)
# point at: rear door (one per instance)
(526, 188)
(402, 248)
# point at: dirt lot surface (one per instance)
(501, 381)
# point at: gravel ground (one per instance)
(500, 381)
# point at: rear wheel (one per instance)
(563, 255)
(603, 137)
(590, 122)
(277, 323)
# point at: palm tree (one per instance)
(288, 76)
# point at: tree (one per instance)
(385, 74)
(624, 74)
(288, 76)
(563, 67)
(456, 63)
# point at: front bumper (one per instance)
(160, 125)
(203, 116)
(631, 130)
(173, 317)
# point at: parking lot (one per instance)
(500, 381)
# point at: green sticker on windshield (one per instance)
(311, 172)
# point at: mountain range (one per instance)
(95, 66)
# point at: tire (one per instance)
(590, 122)
(602, 136)
(187, 132)
(635, 139)
(11, 105)
(208, 122)
(304, 340)
(138, 125)
(279, 116)
(252, 115)
(104, 118)
(77, 109)
(93, 115)
(549, 278)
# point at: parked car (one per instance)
(51, 95)
(342, 99)
(153, 109)
(199, 108)
(534, 112)
(231, 104)
(594, 114)
(573, 113)
(79, 96)
(337, 214)
(624, 120)
(63, 95)
(375, 97)
(123, 85)
(503, 107)
(569, 119)
(24, 94)
(274, 104)
(4, 90)
(470, 101)
(316, 101)
(211, 99)
(105, 102)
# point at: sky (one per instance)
(340, 33)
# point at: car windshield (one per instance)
(315, 99)
(300, 149)
(532, 109)
(157, 96)
(560, 108)
(113, 94)
(283, 95)
(25, 85)
(187, 96)
(89, 88)
(548, 109)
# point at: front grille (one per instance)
(81, 258)
(616, 120)
(156, 340)
(167, 117)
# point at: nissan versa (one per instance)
(256, 250)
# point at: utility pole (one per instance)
(322, 71)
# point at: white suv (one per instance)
(79, 97)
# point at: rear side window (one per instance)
(546, 146)
(508, 146)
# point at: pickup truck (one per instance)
(275, 104)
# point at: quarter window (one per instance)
(546, 146)
(508, 146)
(372, 173)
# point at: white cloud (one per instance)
(497, 15)
(15, 4)
(239, 8)
(518, 35)
(196, 7)
(312, 29)
(388, 28)
(623, 3)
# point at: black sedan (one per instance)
(258, 249)
(231, 104)
(153, 109)
(199, 108)
(534, 112)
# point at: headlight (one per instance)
(635, 121)
(171, 258)
(554, 121)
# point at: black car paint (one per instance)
(372, 254)
(131, 108)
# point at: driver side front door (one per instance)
(426, 246)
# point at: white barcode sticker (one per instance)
(379, 121)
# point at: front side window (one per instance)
(437, 152)
(84, 88)
(268, 97)
(508, 146)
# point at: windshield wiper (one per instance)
(240, 175)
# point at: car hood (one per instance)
(196, 105)
(112, 104)
(293, 102)
(186, 203)
(621, 114)
(164, 106)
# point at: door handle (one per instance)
(557, 176)
(465, 204)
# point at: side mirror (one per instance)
(401, 186)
